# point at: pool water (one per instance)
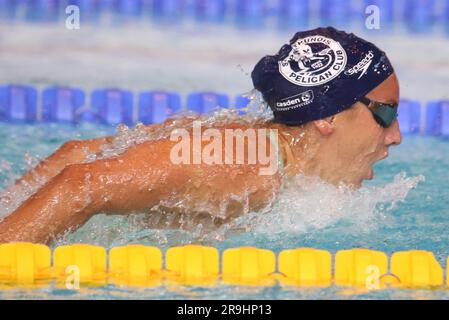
(405, 207)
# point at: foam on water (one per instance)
(11, 200)
(255, 111)
(305, 204)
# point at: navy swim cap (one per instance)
(320, 73)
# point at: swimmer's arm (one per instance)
(136, 181)
(70, 153)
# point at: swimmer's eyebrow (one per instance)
(385, 100)
(388, 101)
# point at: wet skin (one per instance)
(343, 148)
(339, 149)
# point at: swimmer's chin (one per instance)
(352, 184)
(369, 176)
(359, 183)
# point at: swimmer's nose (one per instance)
(393, 136)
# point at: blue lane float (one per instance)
(434, 117)
(91, 9)
(409, 116)
(18, 103)
(203, 102)
(60, 104)
(336, 13)
(387, 10)
(294, 14)
(445, 17)
(437, 118)
(86, 115)
(419, 15)
(42, 10)
(156, 106)
(250, 13)
(445, 119)
(113, 106)
(167, 10)
(241, 102)
(210, 10)
(132, 8)
(8, 9)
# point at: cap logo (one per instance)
(362, 66)
(299, 100)
(313, 61)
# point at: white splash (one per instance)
(308, 203)
(305, 204)
(11, 200)
(255, 111)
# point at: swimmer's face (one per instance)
(358, 141)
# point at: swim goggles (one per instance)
(384, 113)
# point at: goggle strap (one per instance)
(365, 101)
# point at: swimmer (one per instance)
(334, 124)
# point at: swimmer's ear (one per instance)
(325, 126)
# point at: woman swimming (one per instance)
(333, 121)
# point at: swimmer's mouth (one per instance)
(384, 156)
(370, 174)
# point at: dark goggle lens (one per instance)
(385, 114)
